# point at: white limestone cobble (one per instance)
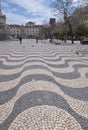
(80, 107)
(43, 117)
(50, 118)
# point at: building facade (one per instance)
(32, 30)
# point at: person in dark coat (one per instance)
(20, 39)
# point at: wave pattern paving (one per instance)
(43, 87)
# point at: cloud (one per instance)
(15, 19)
(36, 8)
(18, 19)
(22, 11)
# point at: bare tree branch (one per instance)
(65, 7)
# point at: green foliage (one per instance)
(81, 30)
(57, 34)
(60, 33)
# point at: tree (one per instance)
(65, 8)
(83, 7)
(81, 30)
(23, 30)
(84, 2)
(45, 30)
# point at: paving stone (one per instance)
(43, 86)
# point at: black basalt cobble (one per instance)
(77, 93)
(39, 98)
(25, 89)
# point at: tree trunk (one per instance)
(70, 27)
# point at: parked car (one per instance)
(84, 40)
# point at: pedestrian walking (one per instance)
(20, 39)
(36, 39)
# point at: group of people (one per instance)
(20, 39)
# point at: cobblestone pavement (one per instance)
(43, 86)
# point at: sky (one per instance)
(23, 11)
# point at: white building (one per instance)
(14, 29)
(32, 30)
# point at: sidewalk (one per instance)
(43, 86)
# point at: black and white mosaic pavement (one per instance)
(43, 86)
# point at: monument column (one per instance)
(0, 6)
(3, 34)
